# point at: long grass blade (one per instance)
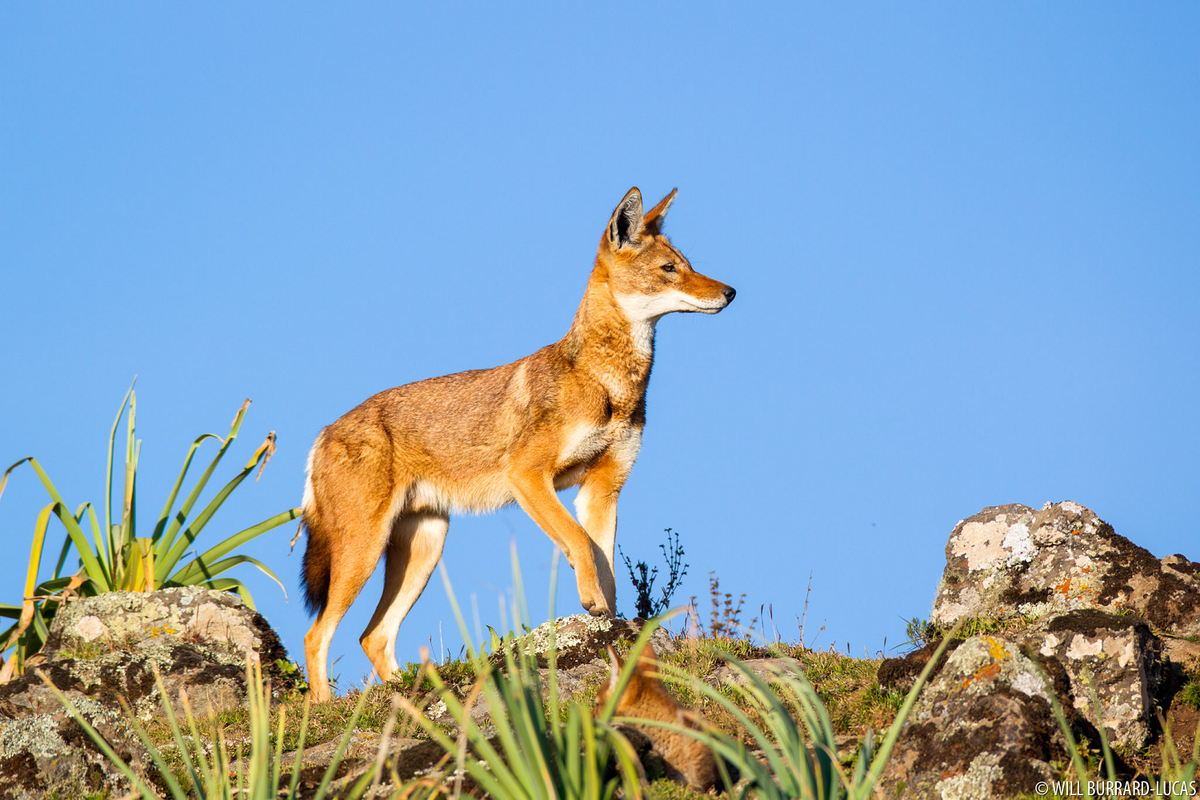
(165, 562)
(131, 456)
(28, 605)
(112, 443)
(192, 572)
(231, 585)
(209, 571)
(197, 525)
(165, 516)
(91, 565)
(299, 759)
(4, 477)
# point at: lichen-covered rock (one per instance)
(581, 639)
(1115, 655)
(766, 668)
(199, 640)
(130, 620)
(48, 754)
(982, 728)
(1011, 560)
(105, 649)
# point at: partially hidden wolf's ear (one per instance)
(653, 220)
(647, 661)
(614, 669)
(625, 226)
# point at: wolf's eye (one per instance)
(668, 267)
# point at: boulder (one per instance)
(580, 641)
(198, 639)
(1115, 655)
(105, 649)
(982, 727)
(408, 758)
(582, 638)
(48, 754)
(769, 669)
(1014, 561)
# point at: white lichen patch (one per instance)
(982, 544)
(1020, 544)
(975, 783)
(1082, 647)
(1031, 685)
(89, 628)
(1121, 651)
(1038, 610)
(1049, 645)
(947, 612)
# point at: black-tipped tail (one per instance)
(314, 573)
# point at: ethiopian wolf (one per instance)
(385, 478)
(687, 760)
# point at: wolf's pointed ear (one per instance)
(614, 669)
(648, 660)
(625, 227)
(653, 220)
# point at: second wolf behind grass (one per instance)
(684, 759)
(385, 478)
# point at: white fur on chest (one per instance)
(584, 442)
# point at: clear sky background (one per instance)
(965, 239)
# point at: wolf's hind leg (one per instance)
(413, 551)
(364, 537)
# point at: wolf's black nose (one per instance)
(729, 293)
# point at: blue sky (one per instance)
(965, 242)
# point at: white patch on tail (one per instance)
(308, 500)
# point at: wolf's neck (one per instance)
(617, 337)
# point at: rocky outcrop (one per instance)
(105, 649)
(1060, 587)
(981, 728)
(1013, 561)
(1117, 657)
(580, 642)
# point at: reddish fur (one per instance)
(688, 760)
(384, 478)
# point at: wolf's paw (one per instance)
(597, 608)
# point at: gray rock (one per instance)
(49, 753)
(1013, 561)
(982, 727)
(409, 758)
(766, 668)
(581, 639)
(105, 649)
(1115, 655)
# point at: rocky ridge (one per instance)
(1077, 610)
(1071, 608)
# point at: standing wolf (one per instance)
(386, 476)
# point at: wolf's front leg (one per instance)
(534, 491)
(596, 508)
